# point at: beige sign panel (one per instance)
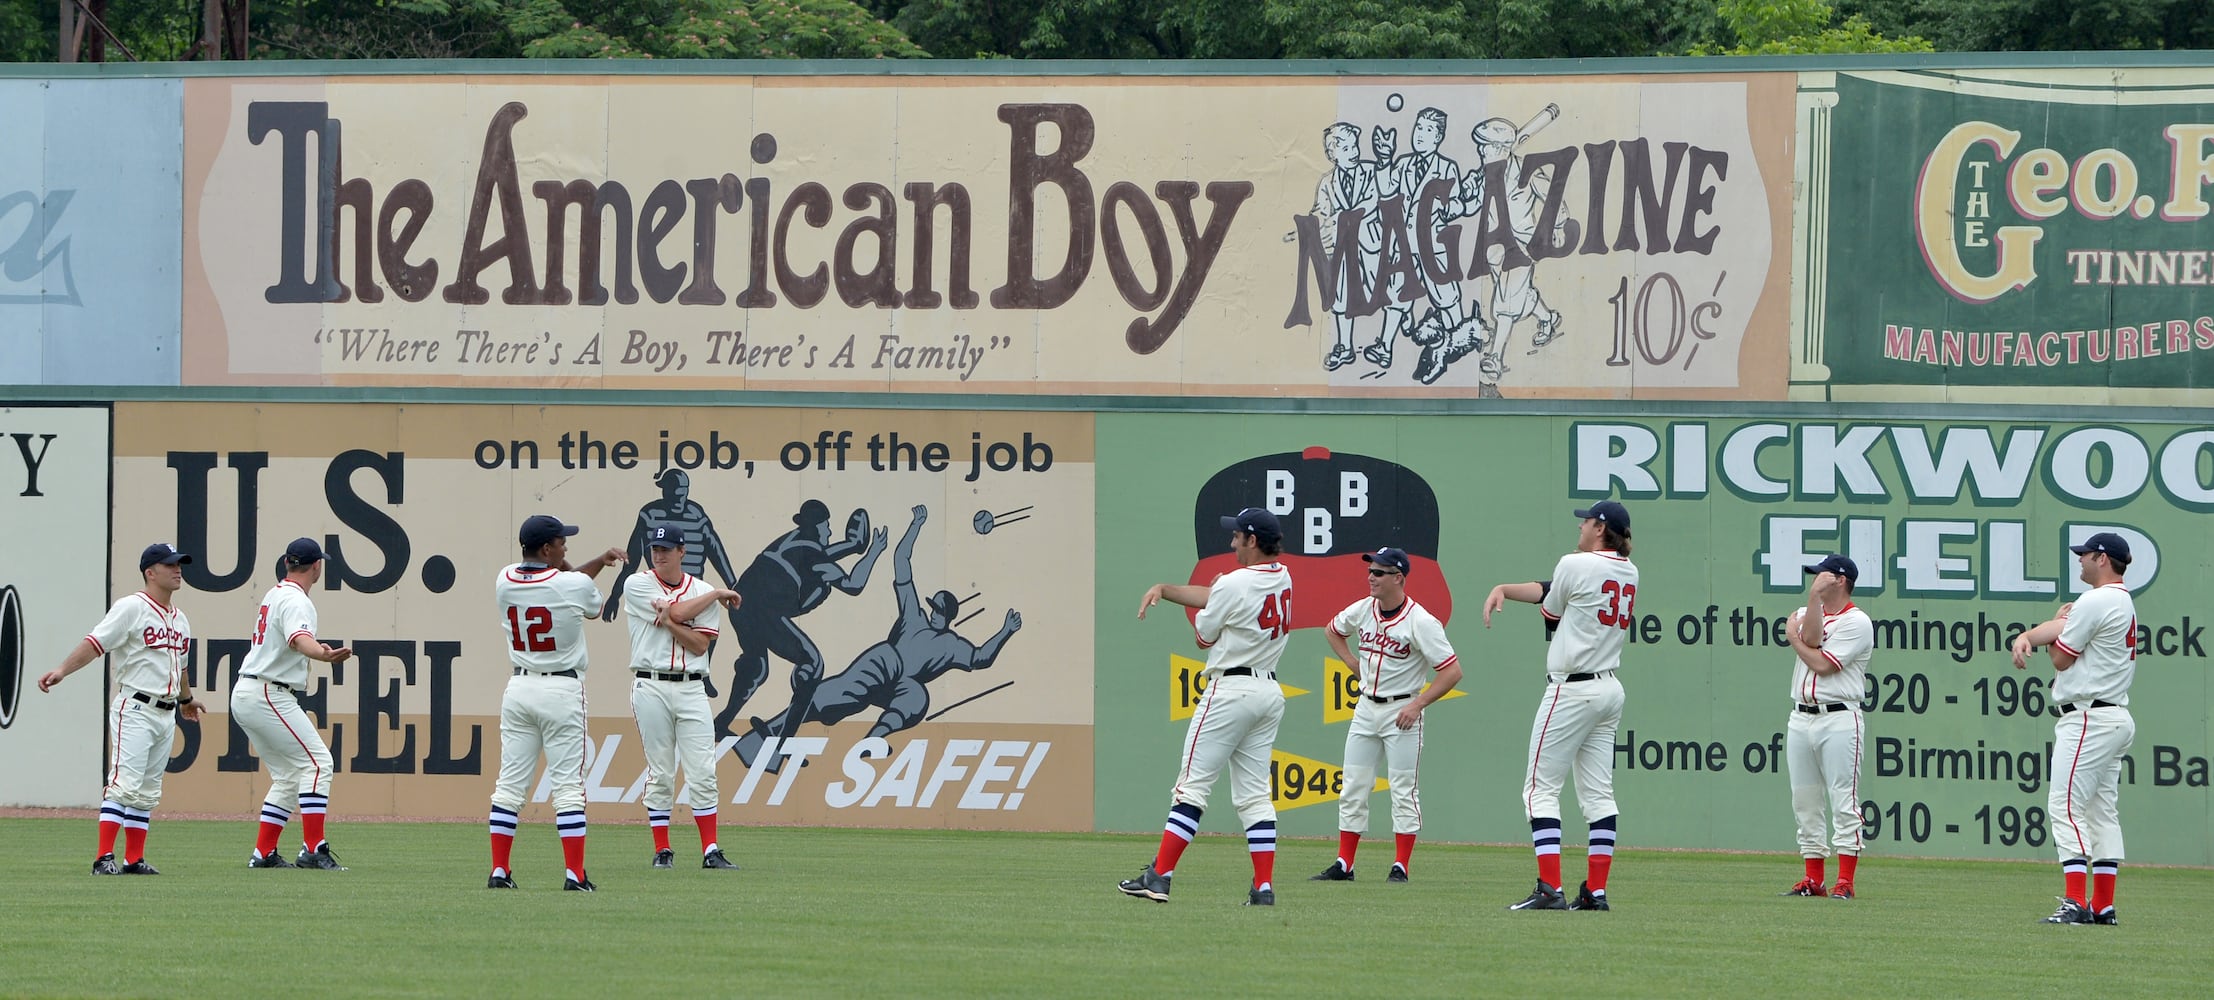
(801, 511)
(1541, 236)
(53, 589)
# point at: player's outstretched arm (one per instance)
(79, 655)
(1527, 593)
(853, 583)
(989, 651)
(690, 608)
(600, 562)
(308, 646)
(1190, 595)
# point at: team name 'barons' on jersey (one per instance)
(2101, 630)
(149, 641)
(653, 647)
(1247, 619)
(286, 613)
(1848, 642)
(542, 610)
(1592, 598)
(1397, 654)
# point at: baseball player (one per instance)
(149, 639)
(673, 617)
(790, 578)
(266, 704)
(543, 604)
(1243, 622)
(1403, 647)
(1833, 640)
(2094, 653)
(1588, 607)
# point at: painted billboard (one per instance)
(1973, 233)
(53, 588)
(821, 519)
(1960, 530)
(1572, 236)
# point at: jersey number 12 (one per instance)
(538, 637)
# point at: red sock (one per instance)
(1172, 848)
(2102, 891)
(1264, 868)
(311, 830)
(108, 830)
(134, 844)
(1549, 869)
(1845, 865)
(502, 843)
(2075, 885)
(1817, 872)
(572, 854)
(1349, 844)
(1405, 843)
(660, 837)
(265, 840)
(1596, 867)
(707, 830)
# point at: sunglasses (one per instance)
(1382, 572)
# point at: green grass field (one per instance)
(852, 913)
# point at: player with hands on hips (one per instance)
(150, 639)
(1402, 648)
(2093, 644)
(543, 603)
(1588, 606)
(674, 616)
(1244, 621)
(266, 704)
(1832, 640)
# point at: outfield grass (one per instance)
(854, 913)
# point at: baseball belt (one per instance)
(166, 706)
(550, 673)
(1835, 706)
(1573, 678)
(1387, 701)
(1246, 672)
(2065, 709)
(286, 688)
(652, 675)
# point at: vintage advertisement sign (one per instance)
(1959, 529)
(1987, 230)
(823, 520)
(53, 588)
(1558, 236)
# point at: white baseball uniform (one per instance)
(668, 694)
(1398, 655)
(542, 610)
(1244, 627)
(148, 642)
(1591, 600)
(1824, 737)
(2095, 727)
(266, 703)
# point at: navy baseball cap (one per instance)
(303, 552)
(538, 529)
(1388, 558)
(666, 536)
(2113, 545)
(1609, 513)
(1839, 565)
(1256, 522)
(165, 554)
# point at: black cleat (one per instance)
(1544, 897)
(499, 881)
(140, 867)
(269, 860)
(2107, 917)
(105, 865)
(1260, 897)
(2071, 912)
(578, 885)
(1398, 873)
(1843, 890)
(1147, 885)
(1588, 900)
(321, 858)
(715, 859)
(1337, 872)
(664, 858)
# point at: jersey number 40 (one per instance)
(1621, 604)
(537, 636)
(1276, 614)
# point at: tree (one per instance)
(1793, 27)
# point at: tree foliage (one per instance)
(1794, 27)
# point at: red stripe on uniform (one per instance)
(1539, 753)
(1449, 661)
(115, 773)
(1858, 725)
(1197, 727)
(271, 702)
(2081, 733)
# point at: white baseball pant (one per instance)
(1375, 738)
(1823, 754)
(141, 736)
(1574, 729)
(1235, 725)
(674, 719)
(2088, 745)
(282, 733)
(541, 713)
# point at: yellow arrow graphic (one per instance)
(1188, 681)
